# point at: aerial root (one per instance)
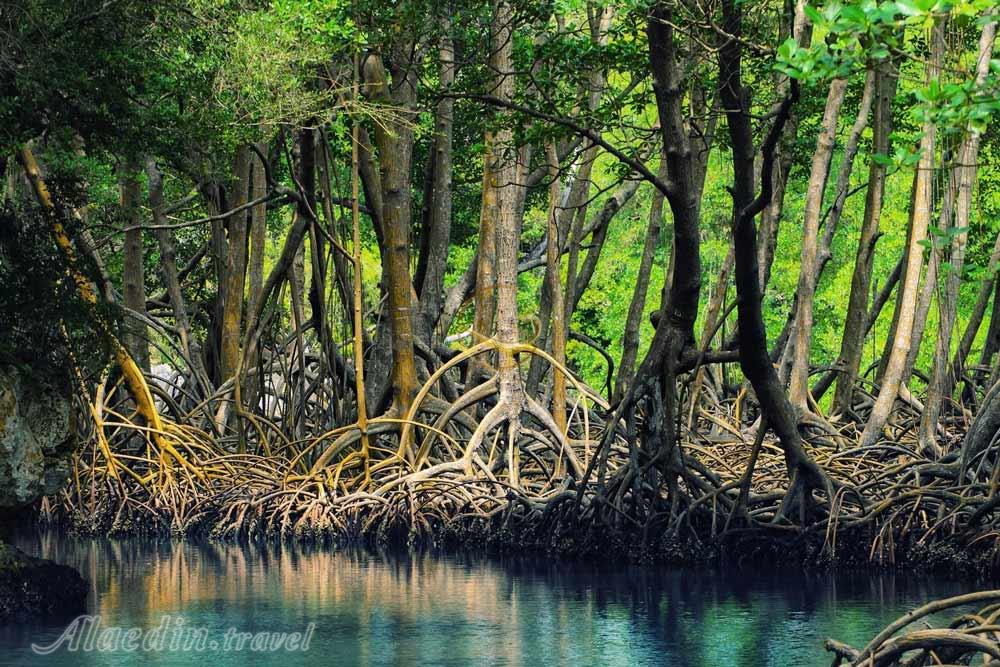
(440, 465)
(475, 464)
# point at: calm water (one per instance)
(372, 609)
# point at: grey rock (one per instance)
(36, 445)
(36, 438)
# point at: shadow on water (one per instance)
(431, 609)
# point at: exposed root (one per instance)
(497, 464)
(971, 638)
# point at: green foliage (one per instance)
(277, 67)
(188, 80)
(47, 328)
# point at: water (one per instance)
(378, 609)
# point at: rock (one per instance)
(36, 445)
(32, 588)
(35, 439)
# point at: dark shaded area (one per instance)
(35, 588)
(44, 326)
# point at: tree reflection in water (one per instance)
(424, 608)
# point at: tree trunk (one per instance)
(786, 342)
(941, 382)
(430, 282)
(808, 265)
(395, 149)
(596, 245)
(504, 171)
(168, 269)
(633, 321)
(485, 294)
(457, 294)
(856, 319)
(258, 230)
(754, 359)
(845, 171)
(553, 283)
(883, 359)
(133, 260)
(232, 308)
(678, 311)
(579, 198)
(992, 342)
(801, 30)
(882, 298)
(711, 325)
(134, 380)
(895, 368)
(986, 290)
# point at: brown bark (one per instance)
(770, 221)
(463, 289)
(485, 285)
(573, 213)
(986, 290)
(930, 281)
(134, 380)
(846, 169)
(357, 316)
(339, 255)
(504, 178)
(216, 205)
(258, 230)
(882, 298)
(883, 359)
(554, 286)
(992, 342)
(504, 173)
(579, 196)
(711, 325)
(786, 341)
(597, 228)
(576, 212)
(675, 330)
(598, 238)
(168, 270)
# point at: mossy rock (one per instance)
(36, 444)
(36, 440)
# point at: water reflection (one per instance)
(424, 609)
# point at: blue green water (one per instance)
(421, 609)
